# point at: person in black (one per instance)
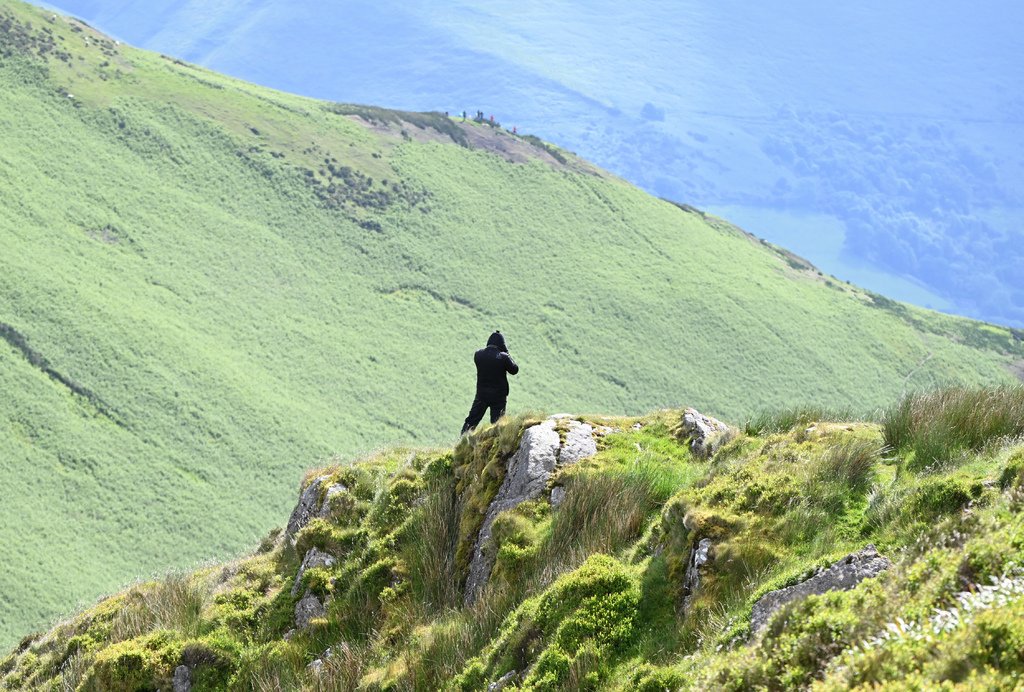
(493, 364)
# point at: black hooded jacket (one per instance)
(493, 364)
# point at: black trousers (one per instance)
(480, 405)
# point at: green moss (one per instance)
(479, 464)
(473, 677)
(936, 496)
(330, 538)
(648, 678)
(1012, 475)
(393, 505)
(593, 606)
(318, 580)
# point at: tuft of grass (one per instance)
(780, 421)
(850, 461)
(938, 427)
(175, 603)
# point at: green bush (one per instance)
(145, 663)
(334, 540)
(934, 497)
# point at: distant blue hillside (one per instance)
(884, 141)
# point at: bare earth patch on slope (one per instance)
(437, 127)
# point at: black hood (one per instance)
(497, 339)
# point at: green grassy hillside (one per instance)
(598, 592)
(205, 286)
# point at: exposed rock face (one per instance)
(699, 556)
(314, 558)
(527, 474)
(579, 443)
(182, 681)
(842, 576)
(702, 431)
(308, 609)
(332, 492)
(305, 510)
(540, 452)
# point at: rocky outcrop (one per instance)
(539, 453)
(704, 433)
(332, 492)
(314, 558)
(308, 609)
(182, 681)
(700, 555)
(579, 443)
(308, 507)
(842, 576)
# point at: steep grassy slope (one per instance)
(891, 129)
(207, 285)
(597, 592)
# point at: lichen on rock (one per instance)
(841, 576)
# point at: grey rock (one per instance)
(332, 492)
(842, 576)
(702, 431)
(526, 477)
(313, 558)
(700, 555)
(502, 682)
(182, 681)
(579, 443)
(305, 510)
(307, 610)
(315, 667)
(540, 451)
(557, 496)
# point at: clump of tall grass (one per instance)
(176, 603)
(602, 512)
(851, 461)
(784, 420)
(429, 554)
(937, 426)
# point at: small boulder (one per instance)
(703, 432)
(307, 610)
(539, 453)
(182, 681)
(841, 576)
(525, 479)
